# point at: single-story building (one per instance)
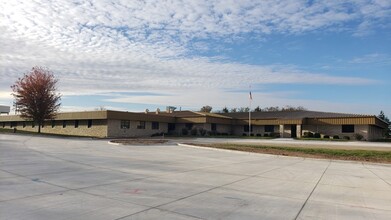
(292, 124)
(109, 123)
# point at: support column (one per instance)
(298, 131)
(282, 131)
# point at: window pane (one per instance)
(171, 126)
(141, 125)
(269, 128)
(245, 128)
(125, 124)
(155, 125)
(347, 128)
(189, 126)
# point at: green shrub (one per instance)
(335, 137)
(202, 131)
(244, 134)
(185, 131)
(326, 137)
(275, 134)
(346, 137)
(316, 135)
(213, 133)
(157, 134)
(259, 135)
(310, 135)
(358, 137)
(266, 135)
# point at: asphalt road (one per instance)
(75, 178)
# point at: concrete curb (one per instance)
(112, 143)
(223, 150)
(271, 155)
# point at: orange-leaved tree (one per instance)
(36, 96)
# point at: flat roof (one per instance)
(284, 117)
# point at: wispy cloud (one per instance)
(373, 58)
(107, 46)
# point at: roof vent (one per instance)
(170, 109)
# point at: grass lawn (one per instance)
(337, 154)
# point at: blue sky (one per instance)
(132, 55)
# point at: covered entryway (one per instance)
(293, 131)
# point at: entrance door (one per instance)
(293, 131)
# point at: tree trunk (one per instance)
(39, 128)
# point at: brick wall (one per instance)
(98, 128)
(115, 130)
(332, 130)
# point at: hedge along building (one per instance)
(131, 124)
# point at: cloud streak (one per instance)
(148, 46)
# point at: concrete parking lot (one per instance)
(76, 178)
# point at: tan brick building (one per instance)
(131, 124)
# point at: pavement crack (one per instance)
(316, 185)
(208, 190)
(376, 175)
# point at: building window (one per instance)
(269, 128)
(155, 125)
(141, 125)
(213, 127)
(53, 123)
(76, 123)
(245, 128)
(13, 124)
(189, 126)
(347, 128)
(171, 126)
(89, 123)
(125, 124)
(64, 124)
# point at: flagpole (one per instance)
(249, 113)
(249, 120)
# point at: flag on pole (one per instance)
(251, 97)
